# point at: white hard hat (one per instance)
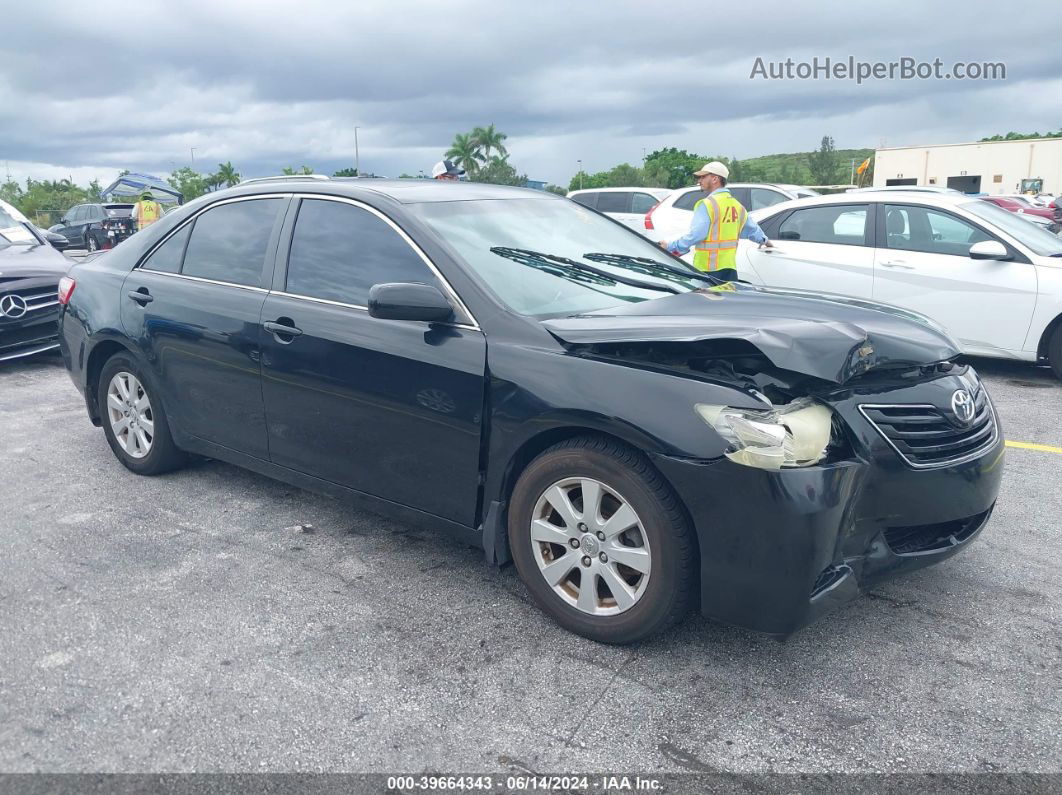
(715, 167)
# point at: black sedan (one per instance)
(537, 380)
(96, 226)
(30, 269)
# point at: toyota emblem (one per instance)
(963, 406)
(12, 306)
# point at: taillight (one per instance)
(649, 215)
(66, 289)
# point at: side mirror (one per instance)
(989, 249)
(409, 301)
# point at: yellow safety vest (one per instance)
(726, 218)
(147, 213)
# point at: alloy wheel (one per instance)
(590, 546)
(130, 415)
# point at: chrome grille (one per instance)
(924, 436)
(35, 300)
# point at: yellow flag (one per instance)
(863, 166)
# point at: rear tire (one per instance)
(643, 578)
(1054, 352)
(90, 243)
(134, 420)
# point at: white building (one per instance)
(991, 167)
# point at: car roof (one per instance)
(910, 197)
(615, 190)
(405, 191)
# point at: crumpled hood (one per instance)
(825, 336)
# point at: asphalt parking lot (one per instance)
(214, 620)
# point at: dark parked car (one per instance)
(30, 269)
(96, 226)
(542, 382)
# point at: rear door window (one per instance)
(339, 251)
(687, 200)
(167, 258)
(586, 199)
(229, 242)
(614, 202)
(764, 197)
(642, 202)
(841, 224)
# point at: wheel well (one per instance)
(543, 441)
(1045, 339)
(99, 356)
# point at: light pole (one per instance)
(193, 158)
(357, 156)
(580, 162)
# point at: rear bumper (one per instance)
(780, 549)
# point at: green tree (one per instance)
(490, 140)
(623, 176)
(191, 184)
(289, 171)
(11, 192)
(671, 168)
(229, 176)
(498, 171)
(556, 189)
(345, 172)
(825, 164)
(465, 153)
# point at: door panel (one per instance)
(390, 408)
(987, 305)
(201, 340)
(200, 335)
(803, 258)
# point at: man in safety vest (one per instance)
(718, 221)
(146, 211)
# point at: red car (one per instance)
(1016, 206)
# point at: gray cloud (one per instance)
(266, 85)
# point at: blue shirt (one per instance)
(699, 229)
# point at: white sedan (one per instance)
(992, 279)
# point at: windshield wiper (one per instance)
(575, 271)
(650, 267)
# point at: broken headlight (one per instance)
(795, 435)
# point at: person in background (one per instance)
(146, 211)
(445, 169)
(718, 222)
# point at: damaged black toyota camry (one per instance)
(539, 381)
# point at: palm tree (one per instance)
(228, 174)
(465, 153)
(488, 139)
(213, 181)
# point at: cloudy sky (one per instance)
(87, 89)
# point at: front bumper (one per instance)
(30, 335)
(781, 548)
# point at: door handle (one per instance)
(281, 330)
(141, 296)
(898, 264)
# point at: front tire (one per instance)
(1054, 352)
(134, 421)
(602, 542)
